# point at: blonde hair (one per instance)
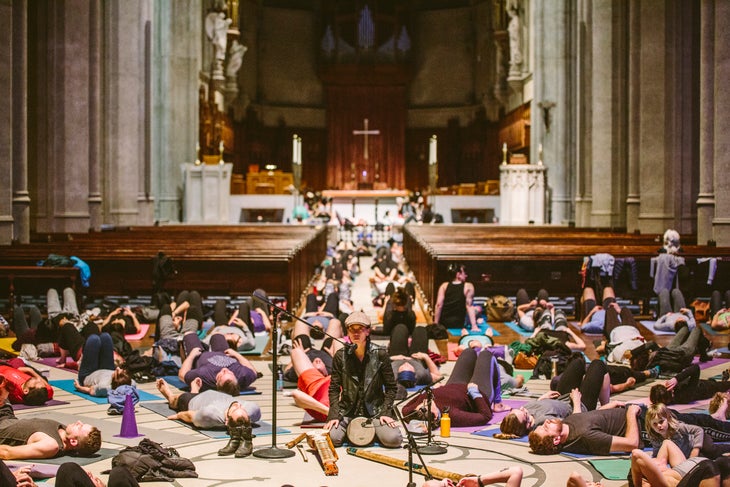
(660, 411)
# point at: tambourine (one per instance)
(361, 431)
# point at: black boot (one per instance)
(704, 346)
(233, 443)
(246, 446)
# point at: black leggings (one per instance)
(72, 475)
(399, 340)
(588, 381)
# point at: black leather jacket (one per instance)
(373, 397)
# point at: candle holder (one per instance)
(220, 152)
(504, 153)
(197, 154)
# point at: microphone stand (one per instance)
(431, 447)
(273, 451)
(412, 445)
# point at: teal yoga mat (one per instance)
(612, 469)
(68, 386)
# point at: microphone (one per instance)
(350, 348)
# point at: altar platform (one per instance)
(368, 205)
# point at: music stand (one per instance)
(274, 451)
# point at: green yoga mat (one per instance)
(612, 469)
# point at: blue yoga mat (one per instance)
(68, 386)
(489, 433)
(482, 330)
(708, 329)
(517, 328)
(175, 381)
(650, 326)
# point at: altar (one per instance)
(368, 205)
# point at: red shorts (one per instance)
(314, 384)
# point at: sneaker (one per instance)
(726, 375)
(654, 372)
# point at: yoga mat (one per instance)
(102, 454)
(143, 329)
(52, 402)
(649, 325)
(261, 341)
(261, 428)
(489, 433)
(583, 456)
(36, 471)
(712, 363)
(68, 386)
(576, 327)
(110, 429)
(51, 362)
(6, 345)
(482, 330)
(175, 381)
(708, 329)
(612, 469)
(517, 328)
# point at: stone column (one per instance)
(177, 49)
(655, 214)
(583, 136)
(607, 123)
(65, 180)
(633, 198)
(6, 119)
(21, 197)
(721, 142)
(95, 115)
(553, 106)
(125, 109)
(706, 197)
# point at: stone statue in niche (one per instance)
(216, 27)
(514, 29)
(235, 59)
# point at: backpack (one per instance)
(544, 365)
(500, 308)
(670, 360)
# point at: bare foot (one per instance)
(489, 332)
(164, 388)
(520, 380)
(464, 332)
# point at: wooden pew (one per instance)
(231, 260)
(500, 260)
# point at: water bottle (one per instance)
(279, 381)
(445, 425)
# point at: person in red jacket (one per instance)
(23, 383)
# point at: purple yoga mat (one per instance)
(52, 402)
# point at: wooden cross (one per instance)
(365, 132)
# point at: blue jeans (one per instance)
(98, 354)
